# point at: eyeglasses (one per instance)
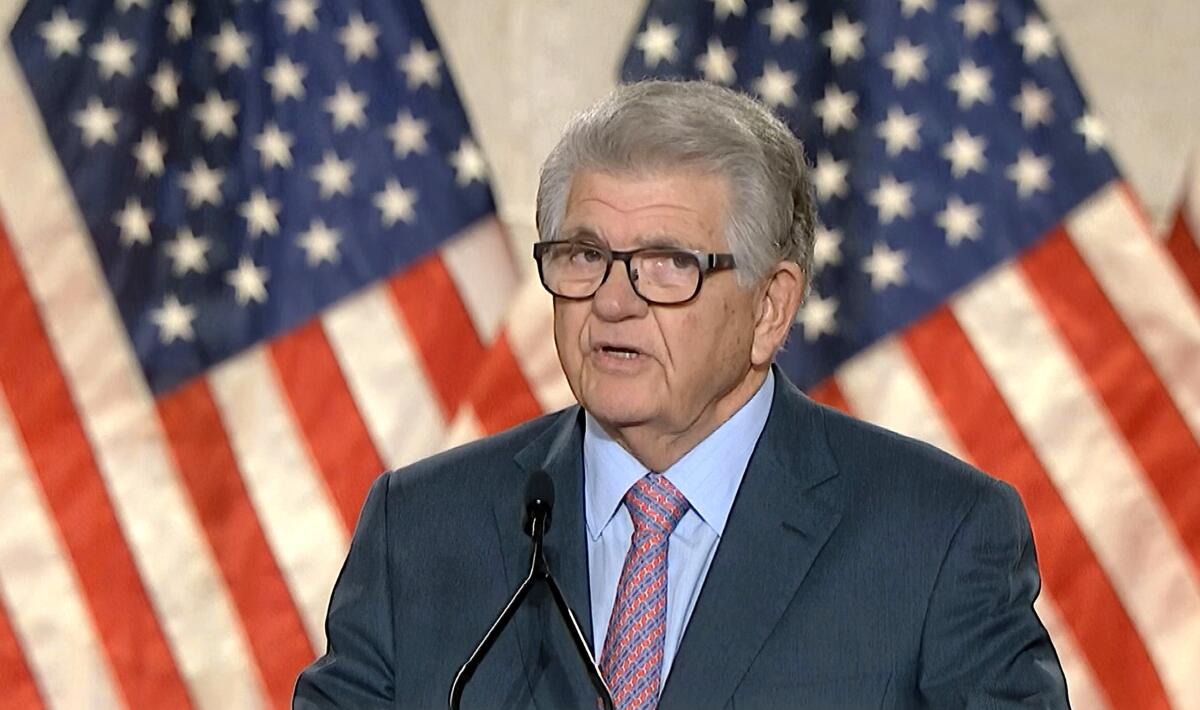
(660, 275)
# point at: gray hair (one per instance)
(653, 126)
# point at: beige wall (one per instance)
(524, 66)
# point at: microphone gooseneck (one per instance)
(539, 504)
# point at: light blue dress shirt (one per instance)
(708, 476)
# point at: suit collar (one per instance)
(550, 662)
(788, 505)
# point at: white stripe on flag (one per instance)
(43, 596)
(465, 428)
(90, 342)
(530, 331)
(297, 514)
(1082, 688)
(1147, 290)
(481, 266)
(385, 376)
(1093, 470)
(882, 386)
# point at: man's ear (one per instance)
(778, 300)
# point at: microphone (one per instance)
(539, 504)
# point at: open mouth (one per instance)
(619, 352)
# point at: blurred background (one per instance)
(254, 253)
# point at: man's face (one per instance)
(671, 369)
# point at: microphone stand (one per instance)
(539, 571)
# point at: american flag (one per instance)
(1183, 240)
(248, 260)
(986, 282)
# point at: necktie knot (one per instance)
(655, 505)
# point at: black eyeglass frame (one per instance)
(708, 262)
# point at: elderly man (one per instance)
(724, 541)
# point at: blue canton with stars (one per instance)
(947, 136)
(242, 165)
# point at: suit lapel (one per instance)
(788, 505)
(554, 674)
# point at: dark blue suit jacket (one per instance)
(858, 569)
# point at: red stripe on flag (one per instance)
(829, 394)
(209, 470)
(1122, 376)
(325, 412)
(44, 414)
(441, 327)
(994, 441)
(500, 394)
(1186, 252)
(20, 690)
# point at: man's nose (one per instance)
(616, 299)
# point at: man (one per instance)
(725, 542)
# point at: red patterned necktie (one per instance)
(633, 649)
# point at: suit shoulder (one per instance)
(478, 462)
(880, 457)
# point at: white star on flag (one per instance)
(910, 7)
(230, 48)
(61, 34)
(174, 320)
(827, 247)
(724, 8)
(150, 154)
(960, 221)
(333, 175)
(836, 109)
(202, 184)
(1031, 173)
(188, 253)
(261, 214)
(347, 108)
(817, 316)
(113, 55)
(134, 222)
(1036, 40)
(164, 82)
(899, 131)
(1092, 130)
(829, 176)
(179, 20)
(906, 62)
(408, 134)
(717, 63)
(216, 116)
(298, 15)
(286, 79)
(972, 84)
(965, 153)
(892, 198)
(886, 266)
(844, 39)
(1033, 103)
(785, 19)
(97, 122)
(358, 38)
(127, 5)
(776, 86)
(274, 147)
(977, 17)
(395, 203)
(249, 281)
(657, 42)
(468, 162)
(320, 244)
(421, 66)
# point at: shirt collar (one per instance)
(708, 475)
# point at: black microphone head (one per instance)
(539, 500)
